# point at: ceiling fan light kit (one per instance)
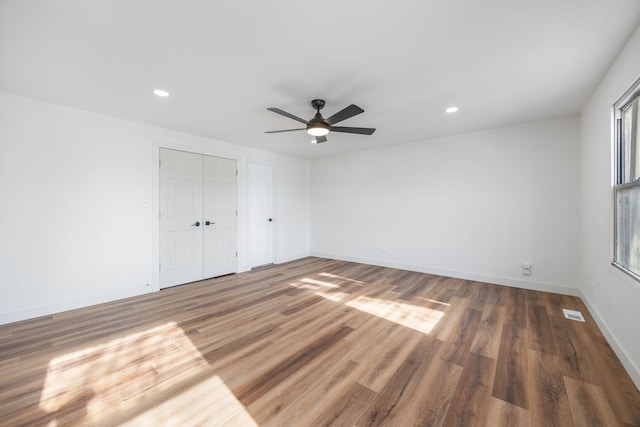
(319, 127)
(317, 130)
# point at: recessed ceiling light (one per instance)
(161, 93)
(451, 110)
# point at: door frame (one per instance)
(241, 190)
(274, 168)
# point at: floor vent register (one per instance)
(573, 315)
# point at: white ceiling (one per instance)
(224, 62)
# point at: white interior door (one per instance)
(180, 217)
(197, 217)
(220, 216)
(261, 219)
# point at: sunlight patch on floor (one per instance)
(320, 289)
(140, 375)
(333, 276)
(319, 283)
(421, 319)
(208, 403)
(435, 302)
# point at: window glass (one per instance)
(627, 186)
(628, 228)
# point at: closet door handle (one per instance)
(197, 224)
(209, 223)
(270, 220)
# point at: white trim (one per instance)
(53, 309)
(282, 260)
(197, 149)
(476, 277)
(260, 161)
(629, 98)
(629, 365)
(631, 92)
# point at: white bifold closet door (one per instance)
(198, 217)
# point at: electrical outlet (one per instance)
(526, 269)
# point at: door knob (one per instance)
(197, 224)
(209, 223)
(270, 219)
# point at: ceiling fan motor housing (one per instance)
(317, 104)
(317, 126)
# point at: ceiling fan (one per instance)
(319, 127)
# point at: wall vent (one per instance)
(573, 315)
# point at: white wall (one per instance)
(474, 205)
(611, 295)
(76, 206)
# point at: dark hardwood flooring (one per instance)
(317, 342)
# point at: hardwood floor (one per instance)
(317, 342)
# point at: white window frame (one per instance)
(624, 162)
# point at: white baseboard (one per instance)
(49, 309)
(476, 277)
(46, 310)
(629, 366)
(282, 260)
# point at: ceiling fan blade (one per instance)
(285, 130)
(344, 114)
(361, 131)
(284, 113)
(319, 139)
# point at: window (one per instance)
(627, 183)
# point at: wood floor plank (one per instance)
(384, 352)
(317, 342)
(248, 393)
(574, 351)
(487, 338)
(347, 409)
(589, 405)
(446, 288)
(468, 290)
(436, 393)
(510, 383)
(503, 414)
(389, 407)
(487, 294)
(242, 342)
(447, 328)
(516, 307)
(307, 388)
(548, 400)
(539, 333)
(469, 405)
(455, 349)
